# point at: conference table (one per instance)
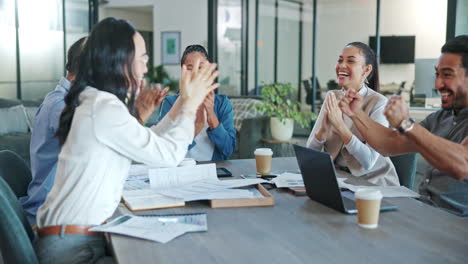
(300, 230)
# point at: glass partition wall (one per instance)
(34, 44)
(281, 35)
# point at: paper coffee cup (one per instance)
(263, 160)
(368, 207)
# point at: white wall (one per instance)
(190, 17)
(141, 20)
(341, 22)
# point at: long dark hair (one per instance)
(105, 64)
(73, 56)
(193, 48)
(371, 59)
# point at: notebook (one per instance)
(147, 199)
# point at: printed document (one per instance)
(198, 182)
(161, 229)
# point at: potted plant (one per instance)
(276, 104)
(159, 75)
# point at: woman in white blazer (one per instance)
(101, 135)
(335, 133)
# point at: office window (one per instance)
(229, 46)
(461, 25)
(38, 28)
(76, 21)
(266, 42)
(7, 50)
(41, 36)
(288, 54)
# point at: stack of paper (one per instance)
(198, 183)
(155, 228)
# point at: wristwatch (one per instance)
(406, 125)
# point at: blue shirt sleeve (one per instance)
(224, 136)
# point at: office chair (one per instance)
(15, 242)
(16, 206)
(15, 171)
(405, 166)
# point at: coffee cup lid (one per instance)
(263, 152)
(368, 194)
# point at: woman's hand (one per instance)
(196, 84)
(351, 103)
(335, 116)
(149, 99)
(325, 126)
(200, 120)
(211, 117)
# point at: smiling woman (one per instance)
(100, 136)
(356, 70)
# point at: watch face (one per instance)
(405, 124)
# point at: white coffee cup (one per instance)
(263, 158)
(368, 207)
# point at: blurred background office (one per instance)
(255, 43)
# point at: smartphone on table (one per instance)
(223, 172)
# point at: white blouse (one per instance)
(94, 162)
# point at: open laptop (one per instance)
(318, 173)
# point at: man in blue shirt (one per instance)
(215, 136)
(44, 147)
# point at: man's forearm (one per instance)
(383, 139)
(446, 156)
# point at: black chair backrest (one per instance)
(15, 244)
(15, 171)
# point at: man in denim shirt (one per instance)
(44, 147)
(441, 138)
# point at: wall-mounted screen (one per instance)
(395, 49)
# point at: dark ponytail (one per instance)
(369, 55)
(105, 64)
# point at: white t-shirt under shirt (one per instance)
(203, 150)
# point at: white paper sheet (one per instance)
(163, 178)
(160, 229)
(387, 191)
(198, 183)
(288, 179)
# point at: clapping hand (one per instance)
(196, 84)
(334, 114)
(208, 105)
(149, 99)
(351, 102)
(396, 111)
(200, 119)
